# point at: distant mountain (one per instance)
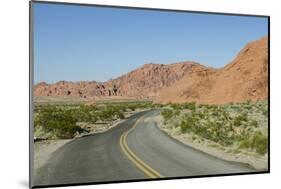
(146, 81)
(143, 82)
(244, 78)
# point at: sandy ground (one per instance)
(258, 162)
(44, 149)
(77, 100)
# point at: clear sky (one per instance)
(91, 43)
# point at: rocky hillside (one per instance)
(245, 78)
(144, 82)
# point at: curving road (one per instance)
(135, 149)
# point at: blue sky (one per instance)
(91, 43)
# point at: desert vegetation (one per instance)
(239, 127)
(64, 121)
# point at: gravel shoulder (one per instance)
(43, 151)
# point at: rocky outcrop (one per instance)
(245, 78)
(144, 82)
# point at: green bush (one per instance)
(190, 106)
(240, 118)
(257, 142)
(120, 115)
(237, 122)
(58, 121)
(132, 107)
(245, 143)
(84, 114)
(217, 123)
(265, 112)
(167, 114)
(176, 106)
(254, 123)
(260, 143)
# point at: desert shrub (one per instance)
(219, 124)
(187, 124)
(107, 114)
(217, 131)
(167, 114)
(237, 122)
(254, 123)
(240, 118)
(176, 112)
(190, 106)
(175, 106)
(120, 115)
(257, 142)
(226, 115)
(184, 126)
(265, 112)
(132, 107)
(260, 143)
(58, 121)
(84, 114)
(121, 107)
(201, 115)
(244, 116)
(245, 143)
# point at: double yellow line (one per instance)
(150, 172)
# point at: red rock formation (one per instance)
(143, 82)
(245, 78)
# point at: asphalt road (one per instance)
(135, 149)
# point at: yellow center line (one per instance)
(149, 171)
